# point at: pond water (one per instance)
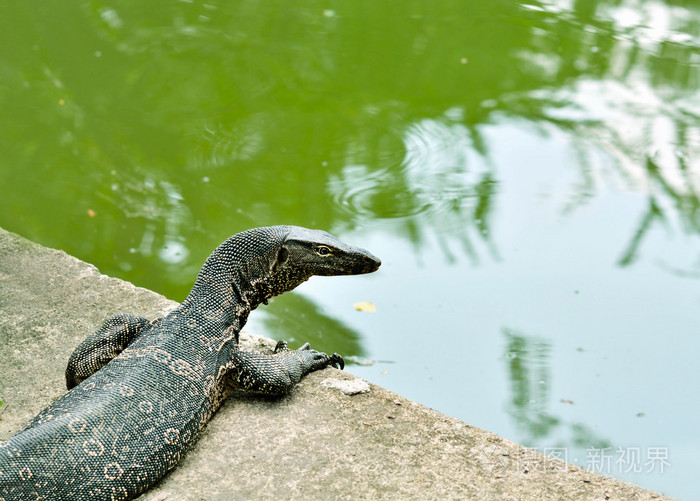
(527, 171)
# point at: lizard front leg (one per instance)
(103, 345)
(276, 374)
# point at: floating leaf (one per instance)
(365, 306)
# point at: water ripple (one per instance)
(432, 180)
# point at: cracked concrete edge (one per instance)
(316, 443)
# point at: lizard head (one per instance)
(304, 253)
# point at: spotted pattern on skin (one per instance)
(77, 425)
(181, 367)
(141, 390)
(208, 385)
(213, 314)
(172, 436)
(126, 391)
(145, 407)
(25, 473)
(148, 351)
(161, 355)
(45, 418)
(93, 447)
(119, 492)
(186, 436)
(113, 471)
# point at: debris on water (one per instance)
(365, 306)
(358, 361)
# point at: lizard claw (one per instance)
(318, 360)
(281, 346)
(337, 361)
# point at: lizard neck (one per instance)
(233, 280)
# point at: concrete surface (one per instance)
(317, 443)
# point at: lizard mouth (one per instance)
(356, 262)
(369, 263)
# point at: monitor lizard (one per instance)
(140, 390)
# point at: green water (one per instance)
(527, 172)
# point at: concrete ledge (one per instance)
(317, 443)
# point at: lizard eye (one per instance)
(323, 251)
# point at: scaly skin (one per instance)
(140, 390)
